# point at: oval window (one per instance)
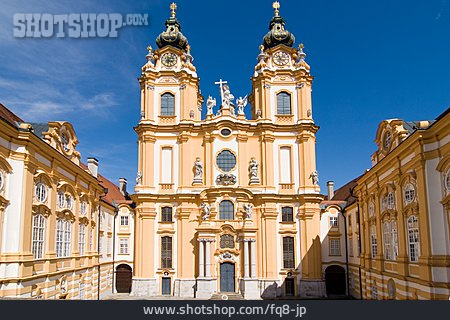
(225, 132)
(226, 160)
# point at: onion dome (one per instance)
(277, 34)
(172, 36)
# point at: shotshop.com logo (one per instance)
(74, 25)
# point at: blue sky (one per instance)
(372, 60)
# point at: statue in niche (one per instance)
(253, 171)
(198, 171)
(248, 208)
(206, 211)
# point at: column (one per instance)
(201, 258)
(253, 258)
(208, 258)
(246, 258)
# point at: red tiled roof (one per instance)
(8, 116)
(345, 193)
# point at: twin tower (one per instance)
(226, 204)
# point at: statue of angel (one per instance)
(241, 103)
(315, 177)
(139, 178)
(248, 211)
(210, 104)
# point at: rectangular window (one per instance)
(166, 252)
(287, 214)
(413, 239)
(166, 214)
(373, 241)
(81, 292)
(81, 238)
(333, 221)
(38, 236)
(123, 220)
(285, 165)
(108, 245)
(288, 253)
(123, 246)
(100, 245)
(335, 247)
(63, 237)
(91, 239)
(166, 165)
(374, 293)
(359, 245)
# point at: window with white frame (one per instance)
(40, 192)
(123, 245)
(81, 290)
(123, 220)
(358, 242)
(61, 199)
(409, 194)
(69, 201)
(447, 181)
(335, 247)
(413, 239)
(100, 245)
(390, 200)
(374, 293)
(333, 221)
(83, 208)
(81, 238)
(38, 236)
(91, 238)
(63, 237)
(387, 240)
(373, 241)
(283, 103)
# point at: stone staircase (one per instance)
(227, 296)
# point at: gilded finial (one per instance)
(173, 7)
(261, 48)
(149, 48)
(300, 46)
(276, 7)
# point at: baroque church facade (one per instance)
(226, 203)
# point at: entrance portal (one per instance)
(335, 280)
(227, 277)
(123, 278)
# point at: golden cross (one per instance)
(276, 6)
(173, 7)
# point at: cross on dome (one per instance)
(173, 7)
(276, 6)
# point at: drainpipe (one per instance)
(116, 213)
(346, 250)
(98, 251)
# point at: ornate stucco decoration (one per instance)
(226, 179)
(227, 256)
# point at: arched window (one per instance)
(63, 237)
(413, 238)
(283, 103)
(373, 241)
(167, 104)
(226, 210)
(38, 236)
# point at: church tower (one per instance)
(226, 204)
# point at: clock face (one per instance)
(281, 58)
(169, 59)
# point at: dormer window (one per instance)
(387, 141)
(65, 142)
(284, 103)
(167, 104)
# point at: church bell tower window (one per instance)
(284, 103)
(167, 104)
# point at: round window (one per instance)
(226, 160)
(40, 192)
(65, 142)
(225, 132)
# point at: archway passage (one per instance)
(335, 280)
(227, 274)
(123, 278)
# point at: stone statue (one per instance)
(139, 178)
(198, 171)
(206, 211)
(227, 97)
(315, 177)
(248, 210)
(253, 171)
(241, 103)
(210, 104)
